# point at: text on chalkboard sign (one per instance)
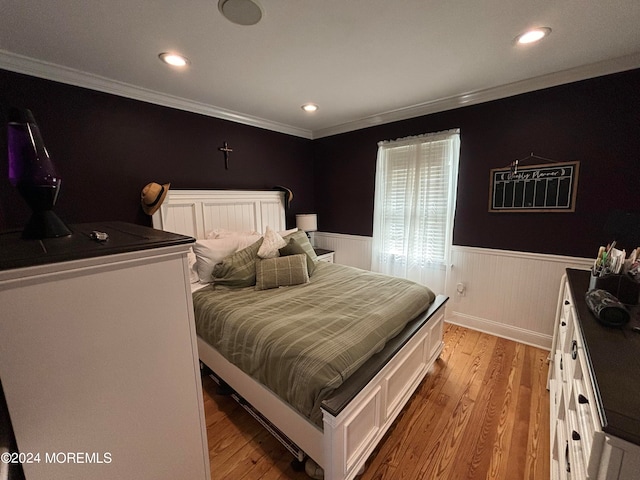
(535, 188)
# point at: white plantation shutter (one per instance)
(415, 194)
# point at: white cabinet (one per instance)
(99, 363)
(325, 255)
(580, 449)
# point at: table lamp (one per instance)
(307, 222)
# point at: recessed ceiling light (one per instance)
(174, 59)
(309, 107)
(241, 12)
(533, 35)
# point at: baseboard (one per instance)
(500, 330)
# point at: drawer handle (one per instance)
(560, 363)
(582, 399)
(575, 435)
(574, 349)
(567, 463)
(566, 302)
(563, 323)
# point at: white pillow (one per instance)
(271, 242)
(193, 272)
(284, 233)
(212, 251)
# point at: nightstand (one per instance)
(324, 255)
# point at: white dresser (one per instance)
(594, 383)
(98, 358)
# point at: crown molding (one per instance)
(37, 68)
(585, 72)
(49, 71)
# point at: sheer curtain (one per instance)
(415, 195)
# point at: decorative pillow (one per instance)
(211, 252)
(284, 233)
(281, 272)
(301, 237)
(193, 272)
(238, 270)
(272, 241)
(294, 248)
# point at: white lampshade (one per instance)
(307, 222)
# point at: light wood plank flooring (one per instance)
(482, 412)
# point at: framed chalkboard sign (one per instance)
(550, 187)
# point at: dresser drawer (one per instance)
(587, 429)
(560, 463)
(566, 319)
(575, 446)
(571, 350)
(585, 405)
(556, 384)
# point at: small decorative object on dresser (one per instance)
(325, 255)
(594, 390)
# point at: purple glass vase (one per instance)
(32, 172)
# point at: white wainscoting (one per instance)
(507, 294)
(352, 250)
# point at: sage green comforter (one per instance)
(303, 341)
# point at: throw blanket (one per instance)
(303, 341)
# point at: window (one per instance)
(415, 193)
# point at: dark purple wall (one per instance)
(107, 148)
(596, 122)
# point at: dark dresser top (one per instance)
(614, 357)
(123, 237)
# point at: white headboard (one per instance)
(196, 212)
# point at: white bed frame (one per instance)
(347, 440)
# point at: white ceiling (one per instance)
(363, 62)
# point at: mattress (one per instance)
(302, 342)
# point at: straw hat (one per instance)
(152, 197)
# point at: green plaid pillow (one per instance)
(301, 238)
(239, 269)
(294, 248)
(281, 272)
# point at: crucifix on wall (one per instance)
(226, 150)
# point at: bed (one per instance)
(338, 427)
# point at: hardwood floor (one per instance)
(482, 412)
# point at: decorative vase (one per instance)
(32, 172)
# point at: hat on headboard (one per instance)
(152, 196)
(288, 195)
